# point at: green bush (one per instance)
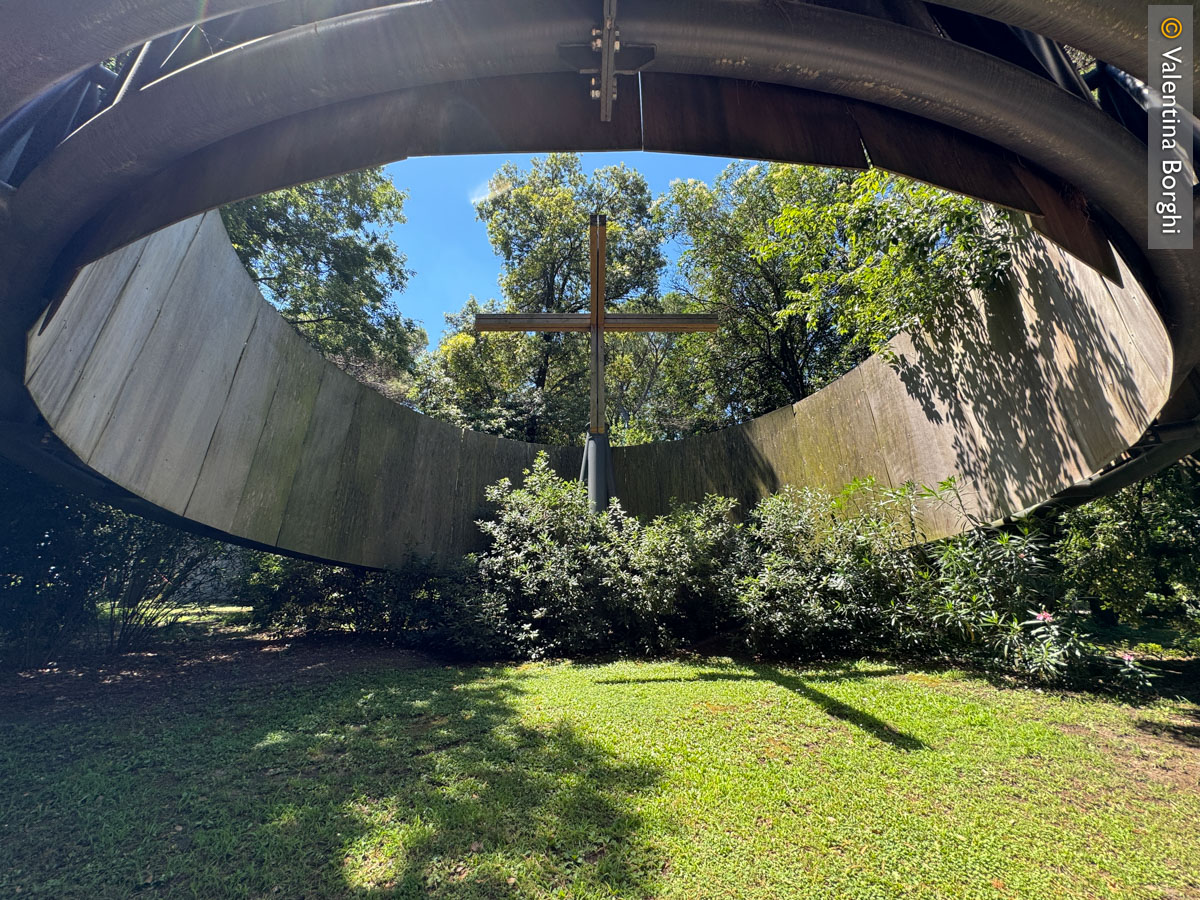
(1136, 554)
(79, 574)
(819, 571)
(47, 568)
(809, 573)
(855, 573)
(569, 582)
(417, 607)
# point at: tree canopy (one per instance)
(319, 254)
(810, 271)
(534, 387)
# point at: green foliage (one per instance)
(808, 574)
(734, 263)
(537, 224)
(534, 387)
(810, 270)
(47, 568)
(823, 570)
(571, 582)
(317, 253)
(809, 571)
(854, 572)
(73, 569)
(1137, 552)
(882, 254)
(418, 607)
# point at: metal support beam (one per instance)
(597, 242)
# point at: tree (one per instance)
(811, 270)
(481, 382)
(883, 254)
(319, 256)
(734, 264)
(534, 387)
(1137, 552)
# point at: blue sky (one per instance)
(448, 249)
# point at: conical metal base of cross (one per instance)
(597, 468)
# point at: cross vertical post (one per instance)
(597, 454)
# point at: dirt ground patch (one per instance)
(1163, 752)
(179, 672)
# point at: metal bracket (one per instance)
(604, 59)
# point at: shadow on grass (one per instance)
(1187, 734)
(439, 788)
(1176, 678)
(803, 685)
(397, 783)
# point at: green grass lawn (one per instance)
(273, 771)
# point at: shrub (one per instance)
(146, 569)
(808, 573)
(73, 570)
(572, 582)
(854, 572)
(822, 570)
(47, 568)
(417, 607)
(1137, 553)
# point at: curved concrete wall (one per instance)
(165, 371)
(1024, 393)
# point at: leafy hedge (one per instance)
(809, 573)
(79, 575)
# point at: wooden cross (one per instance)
(597, 461)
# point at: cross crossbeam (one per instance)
(582, 322)
(597, 462)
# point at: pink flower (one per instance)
(1044, 616)
(1128, 657)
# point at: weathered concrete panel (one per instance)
(317, 501)
(222, 479)
(277, 455)
(1023, 393)
(162, 423)
(81, 419)
(67, 333)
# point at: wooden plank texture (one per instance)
(69, 336)
(181, 376)
(806, 126)
(941, 156)
(277, 453)
(86, 410)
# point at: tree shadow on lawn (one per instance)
(438, 787)
(393, 782)
(1176, 678)
(803, 686)
(1185, 729)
